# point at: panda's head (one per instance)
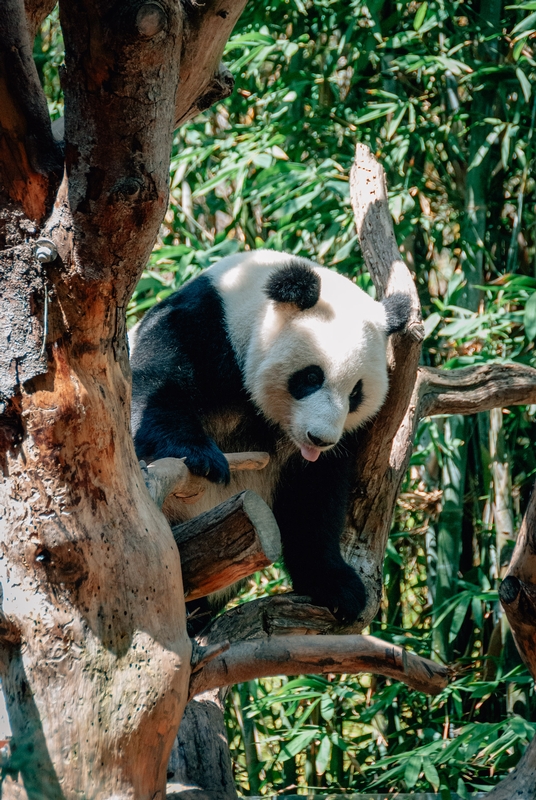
(316, 359)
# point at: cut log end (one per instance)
(227, 543)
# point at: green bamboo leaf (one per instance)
(430, 773)
(297, 744)
(412, 771)
(483, 150)
(323, 755)
(458, 618)
(327, 707)
(525, 84)
(529, 318)
(420, 16)
(525, 24)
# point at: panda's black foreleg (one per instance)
(310, 508)
(166, 425)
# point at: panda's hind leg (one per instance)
(310, 508)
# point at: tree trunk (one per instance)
(95, 657)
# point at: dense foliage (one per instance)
(443, 93)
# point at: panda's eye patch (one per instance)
(305, 382)
(356, 396)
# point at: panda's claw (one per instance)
(210, 463)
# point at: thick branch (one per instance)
(203, 80)
(473, 389)
(281, 615)
(227, 543)
(292, 655)
(36, 13)
(28, 153)
(385, 447)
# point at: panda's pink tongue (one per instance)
(310, 453)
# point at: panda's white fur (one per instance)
(212, 372)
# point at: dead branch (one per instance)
(291, 655)
(28, 152)
(36, 13)
(281, 615)
(202, 655)
(472, 389)
(203, 79)
(518, 589)
(171, 476)
(385, 446)
(227, 543)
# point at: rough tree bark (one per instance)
(95, 654)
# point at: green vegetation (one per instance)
(443, 93)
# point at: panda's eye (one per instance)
(305, 382)
(356, 396)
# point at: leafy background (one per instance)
(443, 94)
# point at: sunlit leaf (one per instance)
(529, 318)
(323, 755)
(420, 16)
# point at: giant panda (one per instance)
(268, 351)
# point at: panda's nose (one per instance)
(317, 441)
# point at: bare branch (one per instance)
(385, 446)
(28, 153)
(36, 13)
(171, 476)
(473, 389)
(203, 79)
(291, 655)
(227, 543)
(202, 655)
(281, 615)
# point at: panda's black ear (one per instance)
(397, 310)
(295, 283)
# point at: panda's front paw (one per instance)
(208, 462)
(342, 591)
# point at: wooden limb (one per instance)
(203, 79)
(227, 543)
(171, 476)
(36, 13)
(472, 389)
(200, 766)
(202, 655)
(292, 655)
(281, 615)
(518, 589)
(385, 446)
(28, 153)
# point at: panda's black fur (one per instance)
(190, 399)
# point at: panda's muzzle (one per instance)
(318, 442)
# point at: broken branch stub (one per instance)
(227, 543)
(171, 476)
